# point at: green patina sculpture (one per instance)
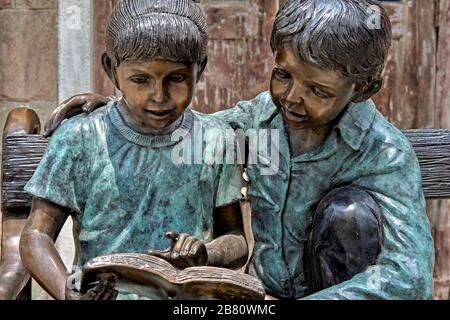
(113, 170)
(343, 215)
(363, 151)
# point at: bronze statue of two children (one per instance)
(342, 216)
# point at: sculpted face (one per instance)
(308, 97)
(156, 92)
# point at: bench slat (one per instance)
(432, 147)
(22, 154)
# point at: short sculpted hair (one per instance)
(143, 29)
(336, 34)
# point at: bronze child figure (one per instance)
(344, 216)
(113, 170)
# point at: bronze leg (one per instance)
(346, 238)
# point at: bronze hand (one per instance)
(184, 251)
(73, 106)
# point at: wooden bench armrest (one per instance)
(14, 278)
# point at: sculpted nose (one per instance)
(158, 94)
(295, 95)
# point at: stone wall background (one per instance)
(28, 55)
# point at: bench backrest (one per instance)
(432, 147)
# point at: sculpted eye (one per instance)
(319, 93)
(280, 74)
(139, 79)
(178, 78)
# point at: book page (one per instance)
(156, 278)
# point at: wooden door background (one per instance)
(415, 94)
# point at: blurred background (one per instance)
(51, 49)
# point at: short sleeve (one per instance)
(61, 177)
(228, 171)
(229, 186)
(246, 114)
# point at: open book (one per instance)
(156, 278)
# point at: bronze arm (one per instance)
(229, 249)
(37, 247)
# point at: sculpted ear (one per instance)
(368, 91)
(201, 67)
(110, 69)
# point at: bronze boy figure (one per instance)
(113, 170)
(344, 217)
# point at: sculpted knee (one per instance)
(350, 218)
(348, 206)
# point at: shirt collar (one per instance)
(356, 122)
(269, 110)
(353, 125)
(149, 140)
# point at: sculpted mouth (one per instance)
(295, 115)
(158, 113)
(298, 114)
